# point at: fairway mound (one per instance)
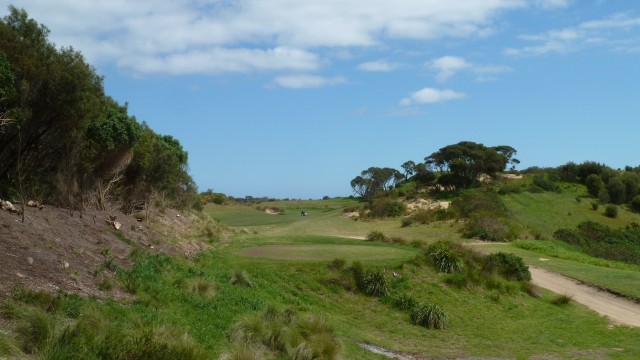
(321, 252)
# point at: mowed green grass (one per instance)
(325, 252)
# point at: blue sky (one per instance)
(289, 98)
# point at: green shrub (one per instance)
(510, 188)
(545, 184)
(430, 316)
(508, 265)
(376, 236)
(569, 236)
(488, 227)
(635, 203)
(387, 208)
(407, 221)
(594, 205)
(611, 211)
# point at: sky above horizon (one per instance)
(293, 99)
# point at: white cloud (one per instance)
(166, 33)
(447, 66)
(431, 96)
(609, 32)
(378, 66)
(223, 60)
(306, 81)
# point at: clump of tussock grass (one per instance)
(284, 334)
(370, 282)
(8, 345)
(204, 288)
(430, 316)
(41, 299)
(445, 257)
(241, 278)
(561, 300)
(35, 331)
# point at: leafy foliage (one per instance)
(602, 241)
(70, 144)
(508, 265)
(460, 165)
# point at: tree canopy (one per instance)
(66, 141)
(460, 165)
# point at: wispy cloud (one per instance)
(378, 66)
(430, 96)
(447, 66)
(307, 81)
(613, 32)
(166, 33)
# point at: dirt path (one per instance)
(617, 309)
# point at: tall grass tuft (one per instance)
(444, 257)
(8, 346)
(285, 334)
(35, 331)
(561, 300)
(430, 316)
(369, 281)
(241, 278)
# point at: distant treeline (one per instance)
(65, 142)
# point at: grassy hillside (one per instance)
(190, 307)
(540, 214)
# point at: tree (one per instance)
(616, 190)
(594, 184)
(409, 168)
(375, 180)
(460, 165)
(508, 152)
(631, 182)
(423, 175)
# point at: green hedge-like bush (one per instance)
(611, 211)
(510, 266)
